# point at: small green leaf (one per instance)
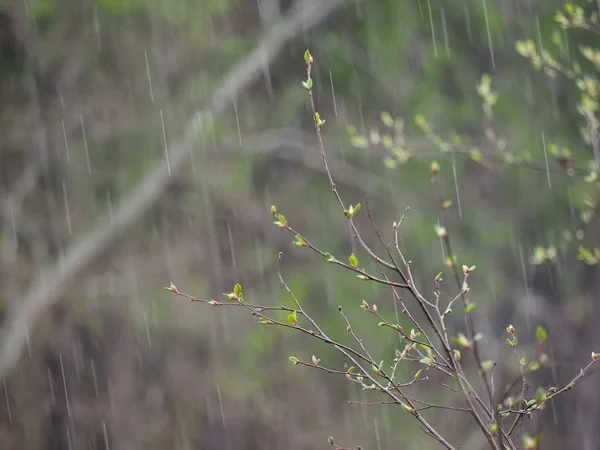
(387, 119)
(300, 242)
(237, 289)
(350, 212)
(469, 306)
(329, 257)
(486, 366)
(541, 335)
(523, 361)
(353, 260)
(292, 318)
(447, 204)
(405, 407)
(418, 374)
(307, 57)
(462, 341)
(440, 231)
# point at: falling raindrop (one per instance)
(432, 29)
(526, 285)
(221, 405)
(7, 401)
(147, 329)
(66, 200)
(539, 36)
(85, 145)
(266, 71)
(489, 34)
(109, 206)
(97, 32)
(66, 141)
(51, 384)
(237, 121)
(149, 78)
(105, 434)
(442, 246)
(445, 31)
(456, 185)
(377, 433)
(62, 369)
(546, 159)
(94, 376)
(468, 22)
(68, 434)
(333, 94)
(27, 337)
(162, 123)
(492, 287)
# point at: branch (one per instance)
(47, 287)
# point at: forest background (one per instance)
(143, 142)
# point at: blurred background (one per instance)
(143, 142)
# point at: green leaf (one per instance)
(486, 366)
(405, 407)
(447, 204)
(292, 318)
(307, 57)
(440, 231)
(462, 341)
(353, 260)
(300, 242)
(387, 119)
(237, 289)
(418, 374)
(469, 306)
(523, 361)
(540, 334)
(350, 212)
